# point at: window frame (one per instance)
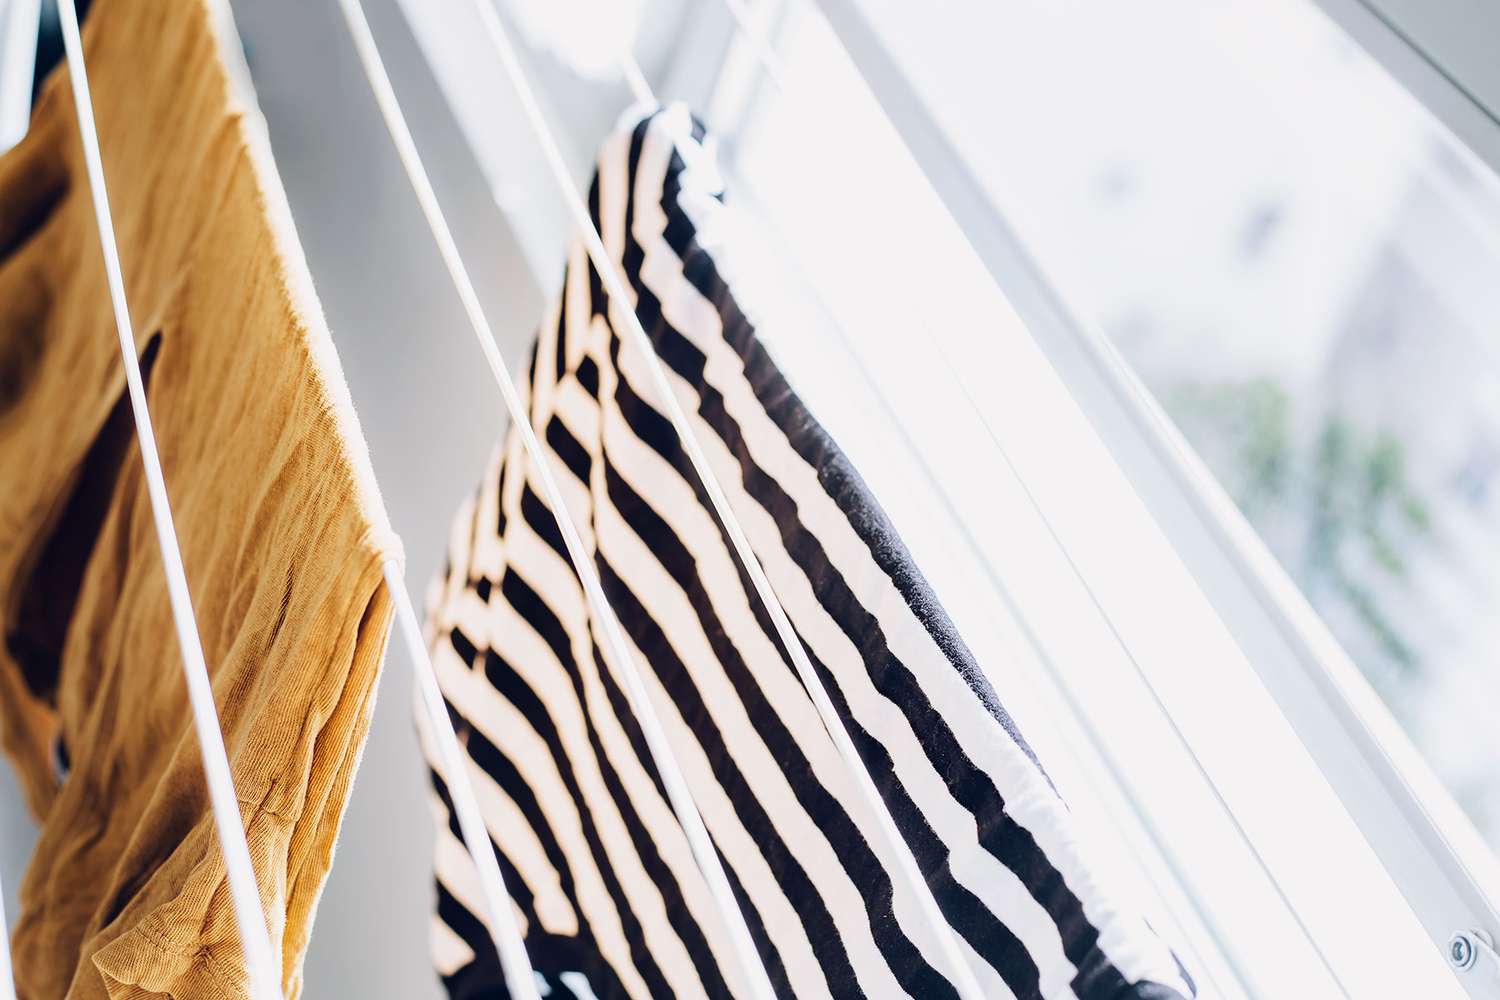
(1437, 50)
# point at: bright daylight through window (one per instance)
(1301, 265)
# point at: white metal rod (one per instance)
(759, 43)
(260, 964)
(965, 982)
(520, 981)
(604, 617)
(510, 947)
(1156, 698)
(636, 80)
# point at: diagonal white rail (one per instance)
(759, 42)
(520, 981)
(964, 980)
(260, 963)
(757, 981)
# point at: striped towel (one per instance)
(610, 901)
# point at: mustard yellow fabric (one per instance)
(281, 528)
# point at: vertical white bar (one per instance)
(520, 980)
(265, 980)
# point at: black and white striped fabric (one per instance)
(602, 877)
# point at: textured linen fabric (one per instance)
(280, 525)
(600, 872)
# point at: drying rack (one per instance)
(499, 912)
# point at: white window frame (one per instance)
(1445, 52)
